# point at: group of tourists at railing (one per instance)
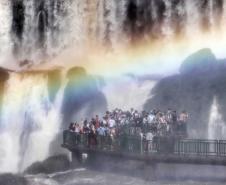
(144, 124)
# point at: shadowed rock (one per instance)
(203, 61)
(201, 79)
(82, 98)
(82, 91)
(50, 165)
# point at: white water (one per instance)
(216, 127)
(5, 40)
(78, 23)
(29, 121)
(127, 92)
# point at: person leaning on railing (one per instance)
(67, 134)
(118, 122)
(148, 141)
(182, 124)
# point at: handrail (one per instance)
(139, 145)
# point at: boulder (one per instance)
(50, 165)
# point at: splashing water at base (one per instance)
(216, 127)
(29, 121)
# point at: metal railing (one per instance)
(139, 145)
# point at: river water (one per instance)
(84, 176)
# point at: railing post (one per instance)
(65, 136)
(141, 144)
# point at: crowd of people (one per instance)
(145, 124)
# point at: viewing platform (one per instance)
(159, 150)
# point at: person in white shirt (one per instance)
(149, 139)
(151, 117)
(111, 123)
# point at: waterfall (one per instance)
(80, 23)
(5, 42)
(106, 37)
(122, 92)
(29, 121)
(216, 127)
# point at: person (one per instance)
(162, 124)
(151, 117)
(149, 138)
(76, 128)
(71, 127)
(97, 122)
(92, 139)
(174, 121)
(156, 124)
(111, 122)
(101, 134)
(105, 120)
(67, 133)
(85, 128)
(169, 120)
(132, 111)
(77, 133)
(101, 130)
(183, 117)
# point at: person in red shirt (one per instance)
(97, 122)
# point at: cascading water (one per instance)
(5, 40)
(29, 121)
(41, 29)
(129, 96)
(216, 127)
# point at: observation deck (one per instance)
(159, 150)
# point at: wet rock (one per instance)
(10, 179)
(202, 78)
(200, 62)
(82, 93)
(50, 165)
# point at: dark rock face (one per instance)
(82, 90)
(201, 79)
(201, 62)
(10, 179)
(50, 165)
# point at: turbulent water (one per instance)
(89, 177)
(108, 38)
(29, 121)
